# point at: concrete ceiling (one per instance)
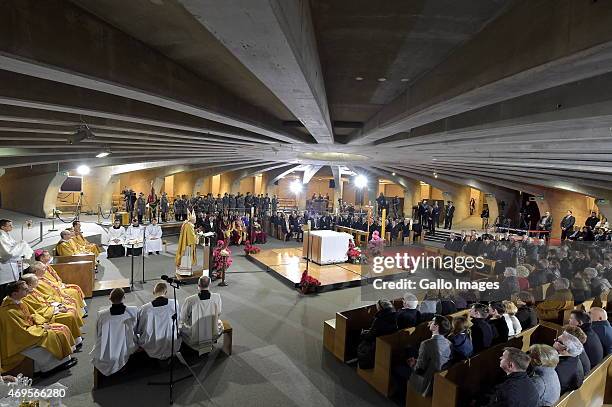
(505, 93)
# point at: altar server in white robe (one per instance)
(11, 252)
(153, 234)
(134, 234)
(116, 336)
(116, 240)
(155, 329)
(200, 323)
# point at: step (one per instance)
(106, 286)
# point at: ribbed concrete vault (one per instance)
(503, 94)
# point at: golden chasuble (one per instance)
(187, 238)
(26, 330)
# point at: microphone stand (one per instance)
(175, 331)
(144, 242)
(132, 269)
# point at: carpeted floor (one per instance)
(278, 357)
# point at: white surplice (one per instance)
(200, 323)
(155, 329)
(153, 234)
(134, 234)
(11, 252)
(116, 340)
(116, 236)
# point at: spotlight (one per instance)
(296, 187)
(83, 170)
(82, 133)
(435, 174)
(361, 181)
(393, 174)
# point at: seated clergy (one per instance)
(50, 310)
(153, 235)
(53, 279)
(25, 334)
(200, 323)
(116, 336)
(81, 241)
(67, 246)
(155, 325)
(134, 238)
(116, 240)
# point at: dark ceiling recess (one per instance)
(336, 124)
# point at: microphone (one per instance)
(170, 280)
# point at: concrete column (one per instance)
(412, 190)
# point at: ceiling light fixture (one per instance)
(361, 181)
(104, 153)
(381, 79)
(358, 78)
(83, 170)
(404, 79)
(393, 174)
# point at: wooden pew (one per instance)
(347, 329)
(81, 273)
(329, 333)
(596, 390)
(389, 349)
(466, 380)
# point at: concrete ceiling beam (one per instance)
(66, 44)
(275, 40)
(551, 48)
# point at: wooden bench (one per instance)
(466, 380)
(596, 390)
(26, 368)
(389, 349)
(329, 333)
(347, 329)
(81, 273)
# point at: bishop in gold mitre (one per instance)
(187, 241)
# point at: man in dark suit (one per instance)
(448, 215)
(567, 225)
(545, 223)
(592, 220)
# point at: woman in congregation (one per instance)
(544, 360)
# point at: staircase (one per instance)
(440, 236)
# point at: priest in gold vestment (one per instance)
(72, 290)
(67, 246)
(186, 252)
(81, 242)
(50, 310)
(25, 333)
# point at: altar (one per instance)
(326, 246)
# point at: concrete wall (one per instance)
(26, 191)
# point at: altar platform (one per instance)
(288, 264)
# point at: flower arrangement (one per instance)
(250, 249)
(308, 283)
(376, 244)
(354, 253)
(222, 260)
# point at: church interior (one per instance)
(207, 203)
